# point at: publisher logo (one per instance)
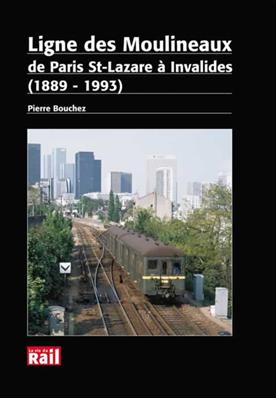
(43, 356)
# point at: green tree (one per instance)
(209, 238)
(48, 244)
(101, 215)
(127, 212)
(117, 209)
(36, 304)
(141, 221)
(111, 206)
(34, 201)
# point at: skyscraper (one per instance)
(33, 163)
(162, 176)
(88, 173)
(69, 172)
(58, 167)
(194, 188)
(120, 182)
(164, 179)
(61, 187)
(47, 166)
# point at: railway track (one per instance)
(94, 291)
(204, 324)
(114, 317)
(180, 323)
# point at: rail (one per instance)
(94, 287)
(112, 286)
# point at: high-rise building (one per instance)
(58, 167)
(88, 173)
(164, 179)
(61, 187)
(69, 188)
(47, 166)
(194, 188)
(120, 182)
(69, 172)
(33, 164)
(162, 176)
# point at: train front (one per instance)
(164, 277)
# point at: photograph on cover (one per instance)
(129, 232)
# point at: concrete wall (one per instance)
(161, 206)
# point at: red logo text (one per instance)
(43, 356)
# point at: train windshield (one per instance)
(176, 270)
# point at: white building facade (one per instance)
(162, 176)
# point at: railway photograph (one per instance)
(129, 232)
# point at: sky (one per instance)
(201, 153)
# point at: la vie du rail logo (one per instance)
(43, 355)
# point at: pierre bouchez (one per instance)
(56, 108)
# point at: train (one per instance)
(157, 269)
